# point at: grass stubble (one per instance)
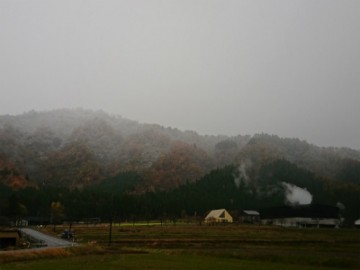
(196, 247)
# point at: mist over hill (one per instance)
(76, 148)
(79, 147)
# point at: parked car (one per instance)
(67, 235)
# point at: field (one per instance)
(185, 246)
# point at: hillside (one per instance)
(273, 184)
(331, 162)
(77, 148)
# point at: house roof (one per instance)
(216, 213)
(251, 212)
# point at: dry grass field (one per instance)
(185, 246)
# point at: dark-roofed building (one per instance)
(312, 215)
(249, 217)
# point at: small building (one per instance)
(9, 238)
(218, 216)
(312, 215)
(249, 217)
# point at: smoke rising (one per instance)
(296, 195)
(243, 177)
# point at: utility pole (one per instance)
(110, 230)
(111, 218)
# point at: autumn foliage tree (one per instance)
(73, 166)
(183, 163)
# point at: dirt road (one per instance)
(48, 240)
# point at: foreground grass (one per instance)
(199, 247)
(156, 261)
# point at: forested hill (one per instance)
(221, 188)
(78, 148)
(75, 148)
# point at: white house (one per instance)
(218, 216)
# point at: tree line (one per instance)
(116, 197)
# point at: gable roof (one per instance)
(219, 213)
(251, 212)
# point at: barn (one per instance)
(218, 216)
(312, 215)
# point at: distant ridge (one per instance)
(78, 147)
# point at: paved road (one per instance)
(49, 241)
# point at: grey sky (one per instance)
(290, 68)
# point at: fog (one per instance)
(282, 67)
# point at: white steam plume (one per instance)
(296, 195)
(243, 177)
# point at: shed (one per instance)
(218, 216)
(9, 238)
(250, 216)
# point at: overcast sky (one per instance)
(290, 68)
